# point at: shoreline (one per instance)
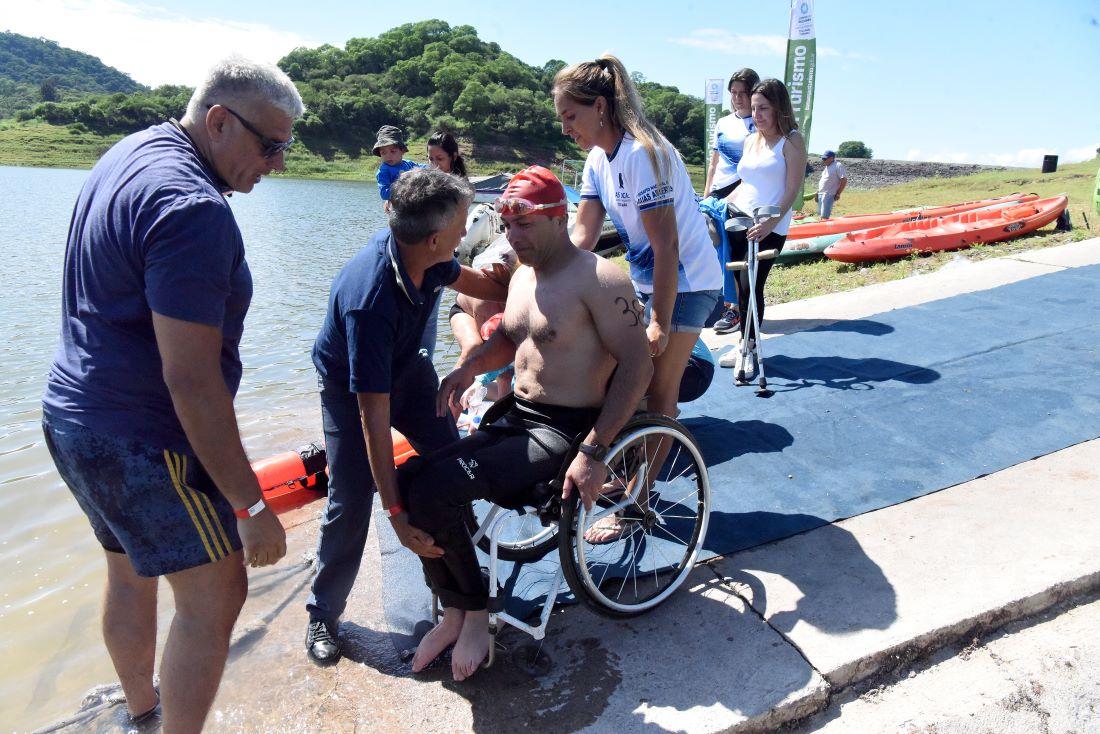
(41, 145)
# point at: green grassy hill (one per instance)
(29, 66)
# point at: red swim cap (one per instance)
(538, 186)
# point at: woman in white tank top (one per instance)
(771, 169)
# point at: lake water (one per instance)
(297, 235)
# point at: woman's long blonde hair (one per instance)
(606, 77)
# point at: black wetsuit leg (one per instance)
(501, 463)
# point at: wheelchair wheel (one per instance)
(658, 494)
(523, 536)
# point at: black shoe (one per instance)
(321, 644)
(730, 321)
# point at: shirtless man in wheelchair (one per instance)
(574, 330)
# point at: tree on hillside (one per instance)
(854, 149)
(679, 117)
(548, 71)
(419, 76)
(47, 90)
(34, 70)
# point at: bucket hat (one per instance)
(390, 135)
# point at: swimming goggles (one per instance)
(516, 207)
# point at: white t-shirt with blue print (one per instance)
(626, 184)
(729, 140)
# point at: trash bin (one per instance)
(1050, 163)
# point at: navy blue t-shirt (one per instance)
(376, 317)
(151, 231)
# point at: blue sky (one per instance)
(981, 82)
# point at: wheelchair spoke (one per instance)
(605, 511)
(625, 484)
(672, 564)
(672, 464)
(654, 460)
(606, 568)
(692, 491)
(686, 469)
(633, 566)
(671, 535)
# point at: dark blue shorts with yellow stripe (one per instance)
(158, 507)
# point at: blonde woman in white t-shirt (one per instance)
(636, 177)
(771, 168)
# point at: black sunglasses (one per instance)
(268, 146)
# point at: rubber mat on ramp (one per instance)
(866, 414)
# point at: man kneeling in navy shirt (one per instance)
(373, 375)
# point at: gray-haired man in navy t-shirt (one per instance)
(138, 411)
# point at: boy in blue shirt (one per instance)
(390, 147)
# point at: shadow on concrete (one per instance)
(702, 654)
(787, 374)
(853, 326)
(841, 589)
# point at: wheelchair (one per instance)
(659, 491)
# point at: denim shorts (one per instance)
(689, 310)
(158, 507)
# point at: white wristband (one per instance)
(252, 511)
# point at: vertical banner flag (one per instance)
(802, 70)
(713, 102)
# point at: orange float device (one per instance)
(947, 233)
(291, 479)
(856, 222)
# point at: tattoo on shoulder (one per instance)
(631, 309)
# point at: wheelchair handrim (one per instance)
(699, 533)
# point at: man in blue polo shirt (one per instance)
(373, 375)
(138, 411)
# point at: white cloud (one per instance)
(1084, 153)
(723, 41)
(152, 44)
(1022, 158)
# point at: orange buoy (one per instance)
(291, 479)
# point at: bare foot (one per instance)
(605, 530)
(473, 645)
(438, 639)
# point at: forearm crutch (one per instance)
(751, 264)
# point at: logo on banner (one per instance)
(714, 91)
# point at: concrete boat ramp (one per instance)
(756, 640)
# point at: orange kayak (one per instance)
(295, 478)
(856, 222)
(953, 232)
